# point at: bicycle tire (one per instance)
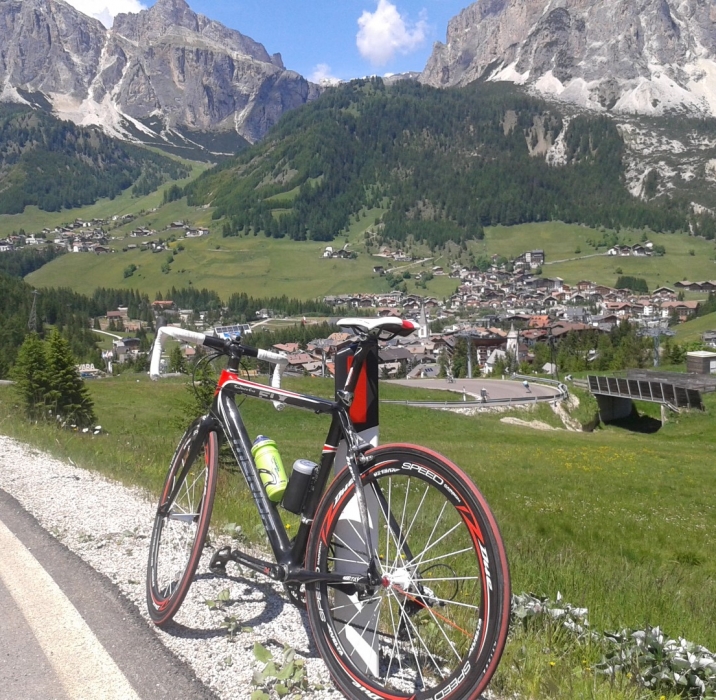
(181, 522)
(437, 624)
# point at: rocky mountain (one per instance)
(650, 64)
(629, 56)
(165, 75)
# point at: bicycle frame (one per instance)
(290, 554)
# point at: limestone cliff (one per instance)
(163, 69)
(629, 56)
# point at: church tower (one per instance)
(424, 329)
(512, 342)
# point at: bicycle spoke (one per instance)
(423, 562)
(345, 545)
(452, 578)
(418, 557)
(406, 619)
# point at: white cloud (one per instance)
(385, 32)
(322, 75)
(105, 10)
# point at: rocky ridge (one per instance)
(651, 64)
(165, 71)
(631, 56)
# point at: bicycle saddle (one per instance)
(378, 326)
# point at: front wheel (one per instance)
(181, 522)
(436, 624)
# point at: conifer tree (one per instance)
(68, 396)
(177, 362)
(31, 376)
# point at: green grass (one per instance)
(259, 266)
(620, 522)
(694, 329)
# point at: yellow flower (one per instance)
(551, 663)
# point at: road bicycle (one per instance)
(398, 559)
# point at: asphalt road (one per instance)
(496, 388)
(66, 632)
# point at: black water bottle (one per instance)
(298, 485)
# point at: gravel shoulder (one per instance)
(108, 526)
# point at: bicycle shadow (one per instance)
(254, 592)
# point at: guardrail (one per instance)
(478, 403)
(562, 394)
(563, 389)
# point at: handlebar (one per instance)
(279, 360)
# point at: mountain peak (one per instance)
(173, 12)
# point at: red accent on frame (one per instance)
(359, 408)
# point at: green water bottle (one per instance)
(271, 470)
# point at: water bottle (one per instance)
(270, 467)
(298, 484)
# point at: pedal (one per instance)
(218, 562)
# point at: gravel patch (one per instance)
(535, 424)
(109, 525)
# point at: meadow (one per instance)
(620, 522)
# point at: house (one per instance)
(288, 348)
(424, 371)
(684, 310)
(709, 337)
(532, 259)
(297, 360)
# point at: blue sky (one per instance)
(341, 39)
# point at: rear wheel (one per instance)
(436, 624)
(181, 522)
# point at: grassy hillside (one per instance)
(687, 257)
(692, 330)
(622, 523)
(34, 220)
